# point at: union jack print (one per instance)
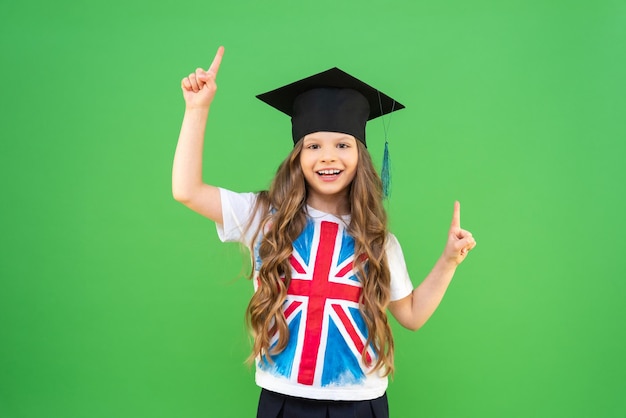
(327, 330)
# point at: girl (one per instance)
(325, 268)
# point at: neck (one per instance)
(335, 205)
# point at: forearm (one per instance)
(187, 169)
(428, 295)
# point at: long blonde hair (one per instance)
(284, 209)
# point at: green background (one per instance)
(117, 301)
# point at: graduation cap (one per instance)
(332, 101)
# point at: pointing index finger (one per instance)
(215, 65)
(456, 216)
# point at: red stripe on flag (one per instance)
(317, 300)
(354, 336)
(292, 307)
(347, 269)
(299, 287)
(296, 265)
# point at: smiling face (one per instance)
(329, 161)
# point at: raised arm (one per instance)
(187, 186)
(414, 310)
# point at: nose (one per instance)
(328, 154)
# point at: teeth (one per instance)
(327, 172)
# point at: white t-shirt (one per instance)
(327, 333)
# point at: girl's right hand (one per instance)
(199, 87)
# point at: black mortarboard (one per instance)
(332, 101)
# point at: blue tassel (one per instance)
(385, 172)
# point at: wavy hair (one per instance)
(284, 217)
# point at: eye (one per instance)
(313, 146)
(343, 145)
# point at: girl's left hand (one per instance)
(460, 242)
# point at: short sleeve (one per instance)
(236, 214)
(401, 285)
